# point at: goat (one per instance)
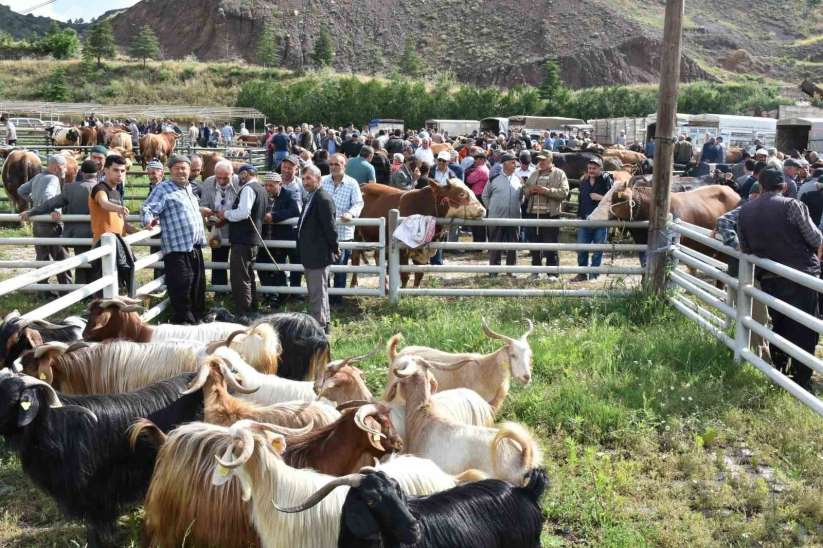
(490, 376)
(305, 345)
(18, 334)
(264, 478)
(89, 469)
(491, 513)
(215, 377)
(267, 389)
(344, 383)
(502, 453)
(119, 319)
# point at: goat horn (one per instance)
(247, 442)
(16, 366)
(360, 358)
(402, 373)
(360, 419)
(491, 334)
(448, 366)
(353, 403)
(11, 315)
(284, 430)
(391, 346)
(200, 380)
(227, 342)
(352, 480)
(529, 330)
(80, 409)
(55, 345)
(54, 399)
(77, 345)
(231, 380)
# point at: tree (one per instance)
(323, 54)
(59, 43)
(410, 62)
(100, 42)
(55, 88)
(268, 48)
(553, 90)
(145, 45)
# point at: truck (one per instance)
(386, 124)
(799, 134)
(453, 127)
(738, 131)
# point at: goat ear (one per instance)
(391, 393)
(433, 385)
(45, 372)
(29, 407)
(101, 319)
(359, 519)
(278, 443)
(33, 337)
(374, 439)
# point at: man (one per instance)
(352, 145)
(746, 176)
(218, 193)
(683, 151)
(331, 142)
(524, 167)
(545, 191)
(283, 205)
(761, 155)
(791, 167)
(711, 153)
(477, 177)
(746, 186)
(176, 208)
(348, 202)
(381, 164)
(228, 134)
(193, 133)
(321, 160)
(395, 144)
(317, 244)
(204, 135)
(592, 189)
(721, 150)
(424, 154)
(813, 198)
(288, 170)
(280, 144)
(196, 163)
(11, 131)
(72, 200)
(41, 188)
(99, 153)
(106, 209)
(454, 165)
(135, 133)
(154, 172)
(621, 139)
(502, 197)
(441, 173)
(779, 228)
(360, 168)
(245, 220)
(406, 177)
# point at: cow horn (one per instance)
(231, 380)
(529, 331)
(247, 443)
(491, 334)
(54, 399)
(351, 480)
(360, 419)
(448, 366)
(54, 345)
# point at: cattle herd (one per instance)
(234, 435)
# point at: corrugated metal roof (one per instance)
(141, 112)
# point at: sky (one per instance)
(69, 9)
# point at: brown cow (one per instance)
(19, 167)
(210, 160)
(72, 167)
(453, 200)
(157, 146)
(121, 140)
(88, 136)
(701, 206)
(251, 140)
(625, 156)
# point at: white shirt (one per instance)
(425, 155)
(442, 177)
(11, 131)
(523, 173)
(243, 210)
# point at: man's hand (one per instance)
(220, 215)
(205, 212)
(56, 216)
(24, 216)
(152, 224)
(346, 217)
(124, 211)
(267, 218)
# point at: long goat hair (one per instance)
(306, 348)
(89, 468)
(18, 334)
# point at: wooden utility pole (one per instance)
(664, 145)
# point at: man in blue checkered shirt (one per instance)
(345, 192)
(173, 204)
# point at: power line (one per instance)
(37, 7)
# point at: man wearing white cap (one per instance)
(441, 172)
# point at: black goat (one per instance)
(306, 349)
(18, 335)
(88, 467)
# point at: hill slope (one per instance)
(24, 26)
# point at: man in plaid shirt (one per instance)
(173, 204)
(348, 201)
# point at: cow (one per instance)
(251, 140)
(573, 164)
(701, 206)
(210, 160)
(72, 167)
(453, 200)
(65, 136)
(19, 167)
(158, 146)
(88, 136)
(120, 140)
(625, 156)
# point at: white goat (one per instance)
(507, 452)
(265, 480)
(487, 374)
(268, 389)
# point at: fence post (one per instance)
(394, 258)
(745, 278)
(381, 256)
(109, 262)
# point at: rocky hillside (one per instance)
(24, 26)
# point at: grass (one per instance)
(651, 434)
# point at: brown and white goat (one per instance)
(490, 375)
(507, 452)
(219, 407)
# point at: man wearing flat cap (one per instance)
(593, 187)
(545, 190)
(245, 220)
(791, 168)
(284, 204)
(173, 205)
(780, 229)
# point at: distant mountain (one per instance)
(24, 26)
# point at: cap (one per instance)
(292, 158)
(397, 157)
(791, 162)
(89, 167)
(443, 155)
(543, 155)
(154, 164)
(525, 155)
(58, 159)
(761, 152)
(596, 160)
(507, 157)
(770, 178)
(479, 154)
(178, 159)
(272, 176)
(247, 167)
(100, 149)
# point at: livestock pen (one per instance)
(652, 432)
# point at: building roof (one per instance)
(47, 110)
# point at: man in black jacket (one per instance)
(283, 204)
(317, 244)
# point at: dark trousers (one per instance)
(804, 299)
(277, 278)
(219, 255)
(186, 284)
(542, 235)
(505, 234)
(82, 275)
(478, 233)
(243, 286)
(51, 252)
(340, 277)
